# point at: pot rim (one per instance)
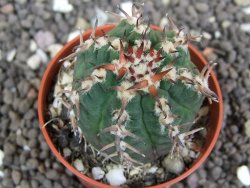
(41, 106)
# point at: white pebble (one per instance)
(217, 34)
(116, 177)
(1, 174)
(97, 173)
(34, 62)
(152, 170)
(42, 55)
(72, 35)
(66, 152)
(243, 175)
(127, 7)
(101, 16)
(62, 6)
(174, 165)
(33, 46)
(207, 35)
(53, 49)
(246, 10)
(78, 165)
(226, 24)
(1, 157)
(11, 55)
(245, 27)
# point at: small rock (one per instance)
(97, 173)
(72, 35)
(11, 55)
(226, 24)
(62, 6)
(34, 62)
(217, 34)
(101, 16)
(166, 2)
(1, 157)
(216, 172)
(243, 175)
(246, 10)
(127, 7)
(24, 184)
(78, 165)
(44, 39)
(66, 152)
(82, 24)
(53, 49)
(242, 2)
(16, 176)
(7, 9)
(207, 35)
(32, 164)
(163, 22)
(52, 174)
(173, 164)
(245, 27)
(247, 128)
(43, 56)
(116, 177)
(9, 148)
(192, 180)
(202, 7)
(33, 46)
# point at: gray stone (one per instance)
(247, 128)
(242, 2)
(202, 7)
(44, 39)
(16, 176)
(216, 172)
(32, 164)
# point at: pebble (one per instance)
(62, 6)
(32, 164)
(34, 62)
(201, 7)
(44, 39)
(242, 2)
(43, 56)
(216, 172)
(245, 27)
(173, 164)
(116, 177)
(16, 176)
(7, 9)
(101, 16)
(72, 35)
(79, 165)
(226, 24)
(33, 46)
(127, 7)
(11, 55)
(1, 157)
(247, 128)
(243, 174)
(53, 49)
(82, 23)
(9, 148)
(97, 173)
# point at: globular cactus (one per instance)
(135, 91)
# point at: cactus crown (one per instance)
(135, 92)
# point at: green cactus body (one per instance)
(136, 85)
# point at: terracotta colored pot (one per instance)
(216, 110)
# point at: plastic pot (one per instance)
(215, 119)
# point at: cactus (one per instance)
(135, 92)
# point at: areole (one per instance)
(216, 112)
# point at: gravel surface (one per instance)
(33, 31)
